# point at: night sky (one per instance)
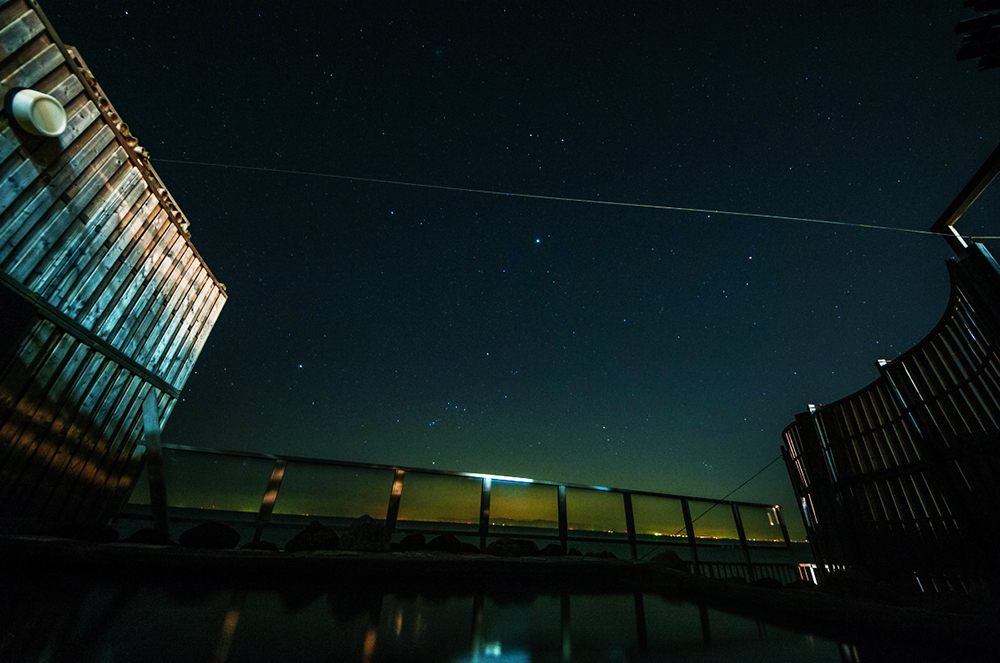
(647, 349)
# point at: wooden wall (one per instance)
(901, 477)
(103, 297)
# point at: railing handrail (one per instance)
(452, 473)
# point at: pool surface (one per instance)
(63, 619)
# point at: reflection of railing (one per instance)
(270, 492)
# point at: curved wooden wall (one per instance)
(902, 478)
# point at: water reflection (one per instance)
(110, 623)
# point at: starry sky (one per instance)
(634, 347)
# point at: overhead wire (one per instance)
(724, 498)
(568, 199)
(590, 201)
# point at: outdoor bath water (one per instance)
(69, 620)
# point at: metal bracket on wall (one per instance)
(84, 335)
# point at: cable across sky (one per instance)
(567, 199)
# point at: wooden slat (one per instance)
(31, 484)
(65, 88)
(125, 478)
(18, 33)
(62, 282)
(58, 272)
(114, 288)
(92, 408)
(100, 271)
(11, 9)
(24, 171)
(146, 307)
(195, 286)
(121, 439)
(117, 464)
(152, 350)
(162, 306)
(86, 460)
(31, 414)
(8, 143)
(16, 219)
(34, 70)
(46, 405)
(63, 85)
(33, 352)
(191, 337)
(17, 222)
(31, 252)
(85, 483)
(112, 319)
(208, 322)
(179, 340)
(21, 409)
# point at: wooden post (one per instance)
(154, 465)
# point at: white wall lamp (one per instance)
(35, 112)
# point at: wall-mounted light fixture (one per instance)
(35, 112)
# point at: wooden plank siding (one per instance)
(900, 478)
(103, 295)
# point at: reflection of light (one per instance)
(493, 651)
(371, 635)
(498, 477)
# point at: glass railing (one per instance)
(272, 497)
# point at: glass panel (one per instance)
(440, 499)
(595, 510)
(523, 505)
(712, 520)
(658, 516)
(760, 524)
(140, 493)
(309, 489)
(211, 481)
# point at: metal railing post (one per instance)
(743, 542)
(563, 522)
(484, 513)
(154, 464)
(270, 497)
(689, 526)
(784, 528)
(630, 525)
(392, 512)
